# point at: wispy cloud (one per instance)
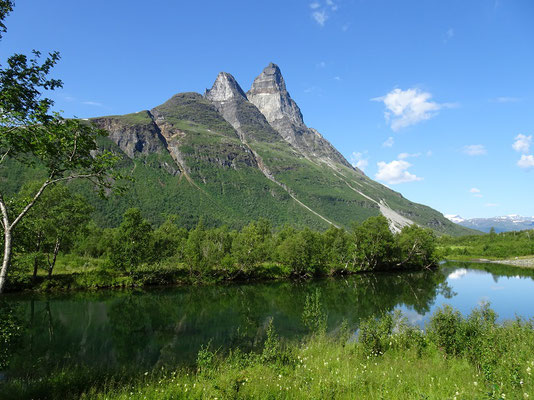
(321, 10)
(409, 107)
(93, 103)
(448, 35)
(476, 192)
(389, 142)
(522, 143)
(358, 160)
(474, 150)
(321, 64)
(320, 17)
(395, 172)
(404, 156)
(505, 99)
(337, 78)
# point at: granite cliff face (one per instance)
(269, 94)
(239, 156)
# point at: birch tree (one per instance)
(35, 136)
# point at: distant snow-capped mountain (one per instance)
(505, 223)
(455, 218)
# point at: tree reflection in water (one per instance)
(166, 327)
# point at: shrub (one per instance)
(313, 316)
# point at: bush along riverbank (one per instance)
(454, 357)
(135, 254)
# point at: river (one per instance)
(165, 327)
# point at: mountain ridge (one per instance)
(252, 154)
(504, 223)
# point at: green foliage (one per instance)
(31, 134)
(10, 333)
(6, 6)
(373, 244)
(417, 247)
(132, 242)
(501, 368)
(313, 316)
(446, 330)
(205, 359)
(271, 346)
(303, 253)
(375, 333)
(252, 245)
(491, 245)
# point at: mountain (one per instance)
(231, 156)
(504, 223)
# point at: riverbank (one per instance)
(454, 357)
(74, 273)
(522, 262)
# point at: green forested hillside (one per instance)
(222, 161)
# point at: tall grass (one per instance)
(454, 357)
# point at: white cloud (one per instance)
(476, 192)
(321, 10)
(526, 162)
(459, 273)
(322, 64)
(505, 99)
(403, 156)
(337, 78)
(332, 5)
(429, 153)
(395, 172)
(389, 142)
(358, 160)
(522, 143)
(92, 103)
(474, 150)
(320, 17)
(408, 107)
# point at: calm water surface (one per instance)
(166, 327)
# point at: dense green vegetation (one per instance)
(59, 230)
(492, 245)
(454, 357)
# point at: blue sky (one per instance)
(429, 97)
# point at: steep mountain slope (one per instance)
(230, 157)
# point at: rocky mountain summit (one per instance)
(230, 157)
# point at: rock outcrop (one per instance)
(135, 134)
(269, 94)
(231, 157)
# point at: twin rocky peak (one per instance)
(270, 96)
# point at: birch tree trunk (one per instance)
(7, 258)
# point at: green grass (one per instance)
(454, 358)
(490, 246)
